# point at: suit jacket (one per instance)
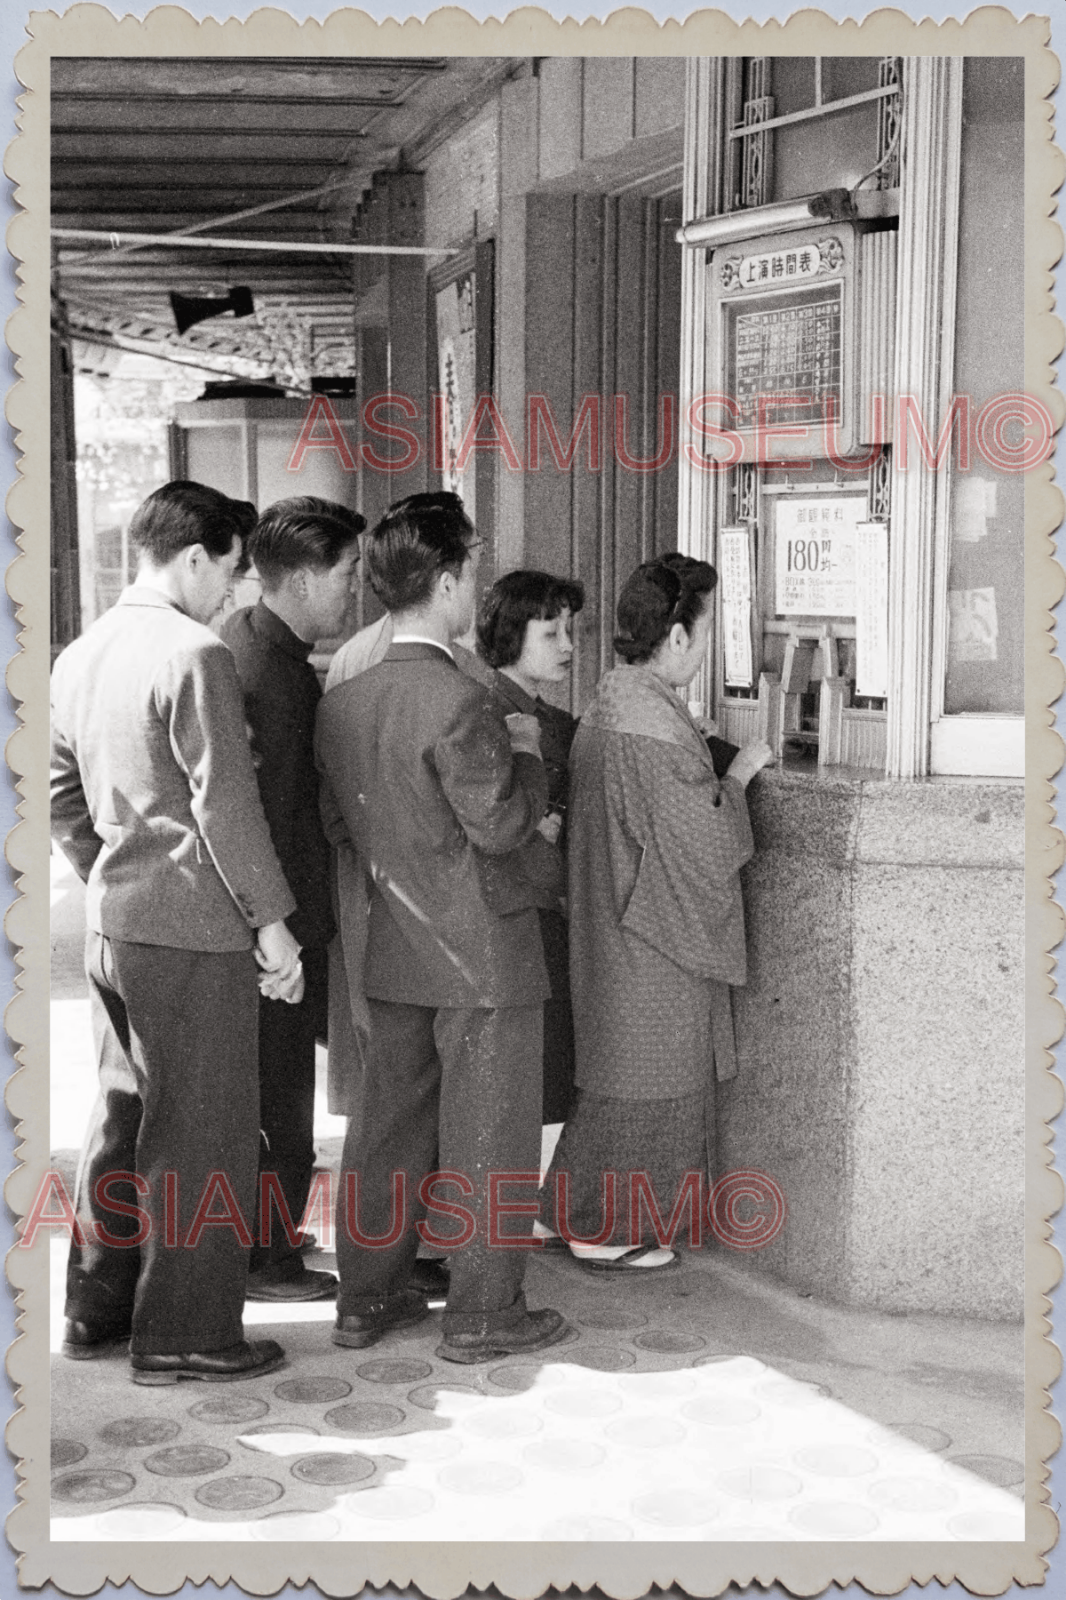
(420, 778)
(281, 695)
(154, 797)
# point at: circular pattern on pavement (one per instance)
(659, 1385)
(427, 1396)
(646, 1433)
(229, 1408)
(501, 1422)
(743, 1532)
(518, 1379)
(564, 1455)
(613, 1319)
(759, 1483)
(275, 1430)
(435, 1446)
(739, 1366)
(912, 1494)
(239, 1494)
(670, 1341)
(135, 1432)
(676, 1508)
(366, 1417)
(836, 1461)
(333, 1468)
(586, 1529)
(833, 1519)
(84, 1487)
(65, 1452)
(394, 1371)
(794, 1392)
(721, 1410)
(920, 1433)
(187, 1461)
(601, 1358)
(312, 1391)
(149, 1521)
(295, 1527)
(583, 1403)
(479, 1477)
(390, 1503)
(1000, 1470)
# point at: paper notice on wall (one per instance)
(814, 572)
(734, 577)
(972, 625)
(974, 508)
(871, 608)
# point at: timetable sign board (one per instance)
(791, 351)
(814, 570)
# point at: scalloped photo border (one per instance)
(518, 1570)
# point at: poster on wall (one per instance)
(456, 347)
(871, 608)
(734, 577)
(814, 568)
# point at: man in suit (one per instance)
(437, 793)
(154, 800)
(305, 552)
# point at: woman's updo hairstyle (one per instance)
(670, 589)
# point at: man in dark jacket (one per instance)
(154, 800)
(437, 794)
(305, 552)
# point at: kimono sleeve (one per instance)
(686, 901)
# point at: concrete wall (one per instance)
(881, 1038)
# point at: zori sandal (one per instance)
(639, 1258)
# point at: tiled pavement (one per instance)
(708, 1406)
(705, 1404)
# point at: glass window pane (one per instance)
(985, 581)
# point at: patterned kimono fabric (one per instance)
(656, 936)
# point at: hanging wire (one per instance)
(893, 146)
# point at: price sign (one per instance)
(815, 566)
(734, 574)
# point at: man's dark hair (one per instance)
(184, 513)
(416, 540)
(661, 592)
(513, 602)
(303, 532)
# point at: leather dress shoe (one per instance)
(82, 1341)
(540, 1329)
(249, 1359)
(286, 1285)
(430, 1277)
(365, 1328)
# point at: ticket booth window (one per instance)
(803, 305)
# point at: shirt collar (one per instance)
(268, 625)
(420, 638)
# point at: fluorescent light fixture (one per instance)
(834, 205)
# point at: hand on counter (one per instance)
(751, 759)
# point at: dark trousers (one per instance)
(175, 1035)
(459, 1091)
(287, 1105)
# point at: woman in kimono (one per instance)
(523, 631)
(656, 927)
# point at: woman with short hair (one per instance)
(656, 844)
(524, 632)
